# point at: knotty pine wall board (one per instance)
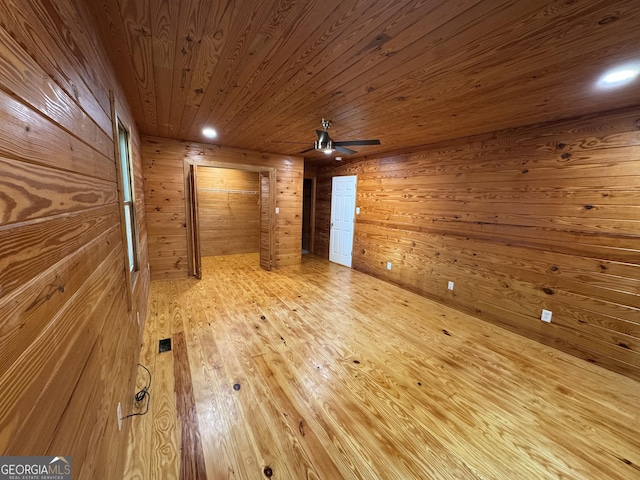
(26, 136)
(68, 341)
(27, 80)
(165, 204)
(31, 248)
(28, 315)
(45, 360)
(531, 218)
(40, 191)
(63, 51)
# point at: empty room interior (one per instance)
(295, 239)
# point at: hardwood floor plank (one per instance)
(367, 361)
(153, 439)
(365, 399)
(238, 352)
(165, 458)
(294, 422)
(228, 449)
(341, 375)
(192, 465)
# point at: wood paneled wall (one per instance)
(229, 211)
(542, 217)
(68, 342)
(163, 160)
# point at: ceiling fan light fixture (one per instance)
(327, 146)
(324, 147)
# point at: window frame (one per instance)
(127, 204)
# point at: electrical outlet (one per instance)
(388, 265)
(277, 210)
(546, 315)
(450, 285)
(357, 210)
(119, 416)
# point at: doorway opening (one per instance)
(308, 215)
(230, 209)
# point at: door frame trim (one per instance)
(194, 230)
(192, 221)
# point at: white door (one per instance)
(343, 207)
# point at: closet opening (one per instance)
(230, 210)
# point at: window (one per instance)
(127, 201)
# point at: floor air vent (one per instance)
(164, 345)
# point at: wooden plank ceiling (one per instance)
(408, 72)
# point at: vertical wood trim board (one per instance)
(539, 217)
(163, 161)
(69, 344)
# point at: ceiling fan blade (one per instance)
(286, 141)
(346, 151)
(354, 143)
(308, 150)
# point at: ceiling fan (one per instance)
(326, 145)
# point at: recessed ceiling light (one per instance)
(619, 76)
(209, 132)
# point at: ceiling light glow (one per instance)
(619, 76)
(209, 132)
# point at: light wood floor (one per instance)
(341, 375)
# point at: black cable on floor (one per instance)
(140, 395)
